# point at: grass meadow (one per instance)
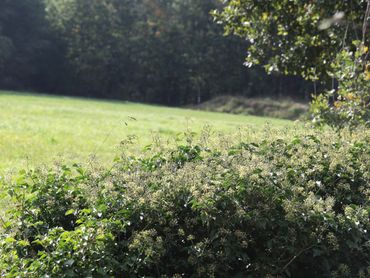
(38, 130)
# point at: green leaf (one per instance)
(69, 212)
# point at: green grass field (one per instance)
(37, 130)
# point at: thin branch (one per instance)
(365, 25)
(295, 257)
(345, 36)
(364, 30)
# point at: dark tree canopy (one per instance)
(29, 54)
(160, 51)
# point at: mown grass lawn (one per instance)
(37, 129)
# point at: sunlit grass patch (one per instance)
(37, 130)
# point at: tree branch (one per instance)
(365, 25)
(295, 257)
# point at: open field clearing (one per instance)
(36, 130)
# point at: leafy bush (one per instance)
(274, 208)
(349, 106)
(284, 108)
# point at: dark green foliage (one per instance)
(169, 52)
(166, 52)
(31, 57)
(276, 208)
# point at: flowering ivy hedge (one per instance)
(273, 208)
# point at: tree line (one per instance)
(158, 51)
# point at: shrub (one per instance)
(273, 208)
(282, 108)
(349, 105)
